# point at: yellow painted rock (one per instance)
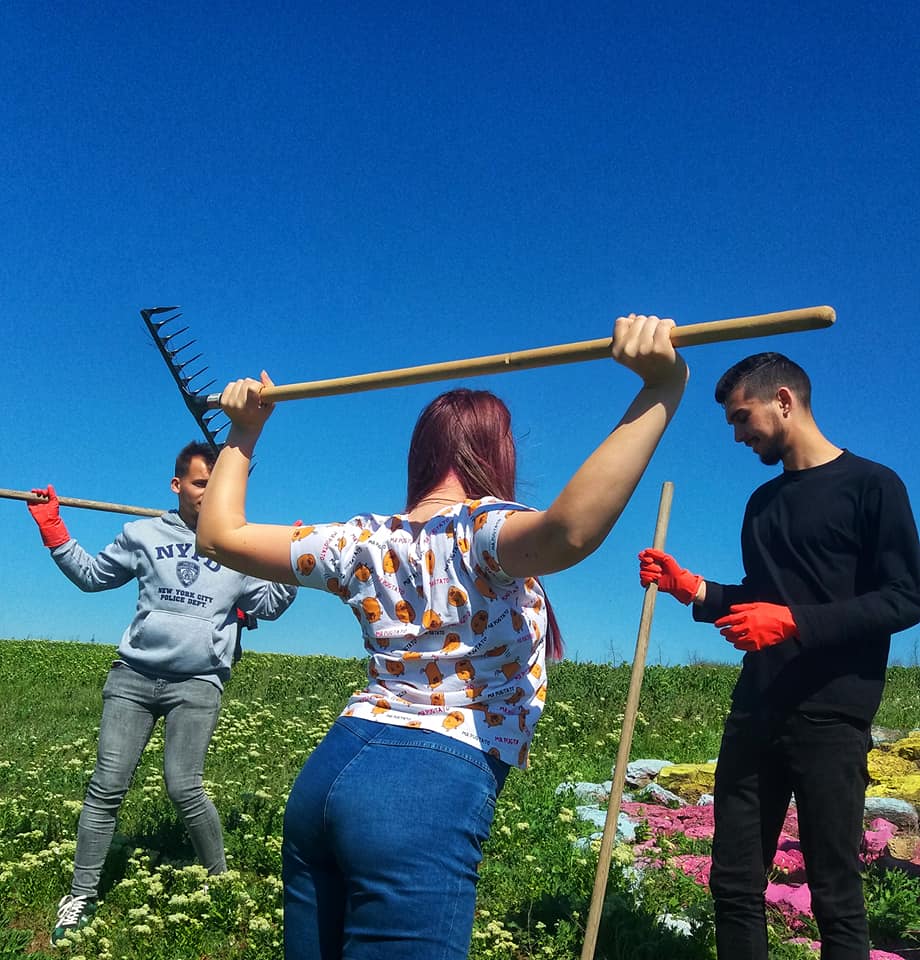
(688, 780)
(904, 848)
(907, 787)
(884, 765)
(908, 748)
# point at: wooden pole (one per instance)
(30, 497)
(626, 735)
(736, 328)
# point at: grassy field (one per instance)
(535, 883)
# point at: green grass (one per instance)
(535, 885)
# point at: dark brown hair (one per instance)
(191, 450)
(762, 375)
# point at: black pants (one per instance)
(822, 760)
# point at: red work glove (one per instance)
(48, 517)
(753, 626)
(655, 566)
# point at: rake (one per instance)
(212, 422)
(713, 331)
(178, 360)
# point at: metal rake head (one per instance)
(192, 393)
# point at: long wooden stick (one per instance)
(736, 328)
(626, 735)
(84, 504)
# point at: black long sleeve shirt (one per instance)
(837, 544)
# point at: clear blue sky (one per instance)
(330, 189)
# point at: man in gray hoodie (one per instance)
(173, 660)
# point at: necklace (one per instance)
(438, 500)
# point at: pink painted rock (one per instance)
(695, 822)
(696, 866)
(875, 839)
(873, 954)
(789, 859)
(791, 899)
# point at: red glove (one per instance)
(48, 517)
(753, 626)
(655, 566)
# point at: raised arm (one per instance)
(258, 549)
(579, 519)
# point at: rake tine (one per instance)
(157, 324)
(187, 380)
(177, 350)
(162, 323)
(148, 312)
(218, 432)
(190, 360)
(198, 390)
(177, 333)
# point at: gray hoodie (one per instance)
(185, 624)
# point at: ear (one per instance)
(174, 484)
(786, 400)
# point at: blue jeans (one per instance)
(131, 705)
(383, 836)
(822, 760)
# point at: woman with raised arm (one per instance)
(384, 825)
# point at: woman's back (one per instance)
(455, 645)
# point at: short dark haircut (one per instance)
(191, 450)
(761, 375)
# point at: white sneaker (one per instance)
(73, 913)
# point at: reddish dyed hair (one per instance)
(469, 432)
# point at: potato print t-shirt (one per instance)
(455, 645)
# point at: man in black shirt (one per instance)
(832, 569)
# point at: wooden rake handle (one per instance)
(626, 734)
(737, 328)
(84, 504)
